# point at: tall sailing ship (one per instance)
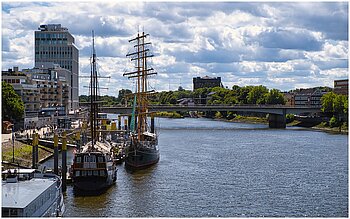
(143, 150)
(93, 165)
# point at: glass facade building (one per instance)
(53, 43)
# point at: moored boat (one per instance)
(29, 193)
(93, 167)
(143, 149)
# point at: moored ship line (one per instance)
(93, 167)
(142, 151)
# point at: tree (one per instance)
(12, 104)
(327, 102)
(122, 94)
(243, 94)
(346, 105)
(256, 95)
(339, 104)
(274, 96)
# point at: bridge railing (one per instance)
(277, 106)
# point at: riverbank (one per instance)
(22, 153)
(323, 127)
(263, 120)
(172, 115)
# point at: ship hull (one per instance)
(92, 183)
(141, 159)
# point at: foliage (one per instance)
(327, 102)
(334, 103)
(257, 95)
(106, 100)
(274, 96)
(333, 122)
(217, 95)
(289, 118)
(122, 96)
(218, 115)
(169, 114)
(12, 104)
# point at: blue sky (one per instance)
(279, 45)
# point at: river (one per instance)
(215, 168)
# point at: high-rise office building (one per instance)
(53, 43)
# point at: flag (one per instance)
(132, 123)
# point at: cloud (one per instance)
(289, 39)
(281, 45)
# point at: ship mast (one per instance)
(140, 56)
(94, 95)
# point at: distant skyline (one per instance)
(279, 45)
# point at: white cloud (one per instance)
(279, 45)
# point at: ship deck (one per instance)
(22, 193)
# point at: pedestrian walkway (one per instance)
(42, 132)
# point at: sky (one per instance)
(279, 45)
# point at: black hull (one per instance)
(92, 183)
(142, 159)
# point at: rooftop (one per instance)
(52, 27)
(22, 193)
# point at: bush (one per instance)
(218, 115)
(289, 118)
(333, 122)
(230, 115)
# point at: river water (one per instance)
(215, 168)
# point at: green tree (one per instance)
(346, 105)
(257, 95)
(12, 104)
(243, 94)
(122, 95)
(339, 104)
(274, 96)
(327, 102)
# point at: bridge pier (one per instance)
(277, 120)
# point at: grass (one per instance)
(22, 153)
(325, 126)
(169, 115)
(249, 119)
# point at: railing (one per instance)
(277, 106)
(81, 166)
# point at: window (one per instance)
(78, 160)
(100, 159)
(102, 172)
(86, 159)
(95, 172)
(93, 158)
(83, 172)
(13, 212)
(77, 173)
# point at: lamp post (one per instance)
(13, 145)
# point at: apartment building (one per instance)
(42, 90)
(308, 97)
(341, 87)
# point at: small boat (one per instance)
(143, 150)
(30, 193)
(93, 167)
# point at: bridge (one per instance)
(277, 113)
